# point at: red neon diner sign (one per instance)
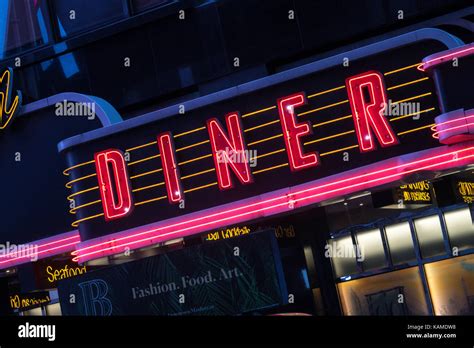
(366, 95)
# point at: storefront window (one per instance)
(53, 309)
(451, 284)
(400, 243)
(74, 16)
(394, 293)
(143, 5)
(460, 228)
(343, 256)
(371, 249)
(430, 236)
(23, 25)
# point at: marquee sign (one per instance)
(260, 152)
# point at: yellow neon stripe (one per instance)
(151, 200)
(266, 139)
(67, 170)
(401, 69)
(271, 168)
(201, 187)
(140, 146)
(268, 154)
(189, 132)
(326, 91)
(148, 187)
(194, 159)
(329, 137)
(323, 107)
(77, 222)
(146, 173)
(338, 150)
(68, 184)
(143, 160)
(407, 83)
(262, 125)
(199, 173)
(73, 210)
(81, 192)
(258, 111)
(193, 145)
(416, 129)
(331, 121)
(411, 98)
(412, 114)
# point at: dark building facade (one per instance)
(237, 157)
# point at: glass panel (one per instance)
(379, 295)
(371, 249)
(23, 25)
(53, 309)
(451, 284)
(460, 228)
(34, 312)
(143, 5)
(400, 243)
(343, 256)
(430, 236)
(73, 16)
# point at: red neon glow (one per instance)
(48, 247)
(454, 53)
(229, 152)
(123, 206)
(367, 114)
(170, 168)
(448, 132)
(362, 178)
(293, 132)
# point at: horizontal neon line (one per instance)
(332, 121)
(67, 170)
(189, 132)
(402, 69)
(68, 184)
(73, 210)
(329, 137)
(151, 200)
(146, 173)
(262, 125)
(271, 168)
(193, 145)
(326, 91)
(148, 187)
(258, 111)
(201, 187)
(412, 98)
(268, 154)
(199, 173)
(143, 160)
(77, 222)
(69, 198)
(264, 140)
(338, 150)
(194, 159)
(253, 210)
(415, 129)
(412, 114)
(408, 83)
(140, 146)
(323, 108)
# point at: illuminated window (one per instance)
(400, 243)
(74, 16)
(371, 249)
(53, 309)
(430, 236)
(143, 5)
(380, 294)
(460, 228)
(23, 25)
(451, 284)
(343, 256)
